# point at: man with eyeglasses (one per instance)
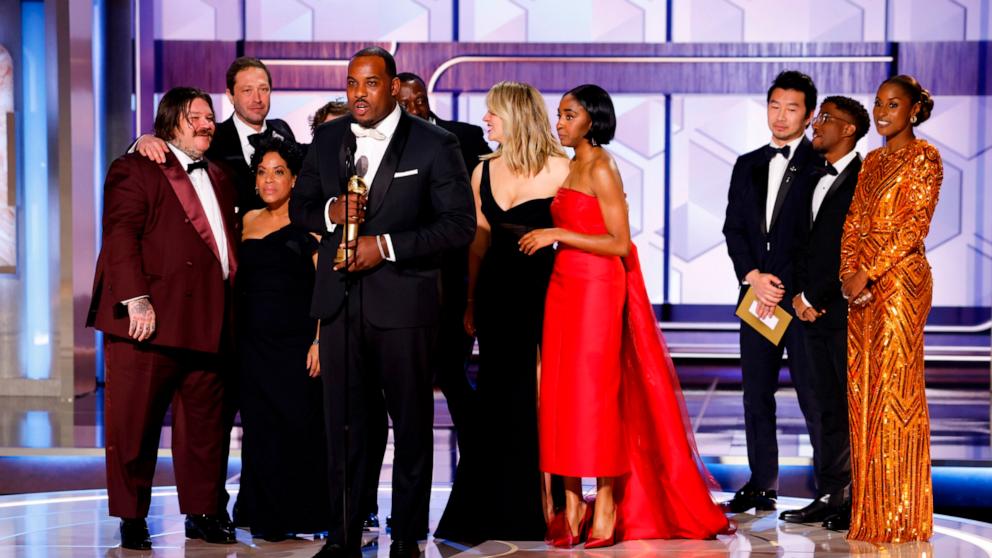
(768, 187)
(819, 304)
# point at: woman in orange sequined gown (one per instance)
(887, 278)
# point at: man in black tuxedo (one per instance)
(249, 88)
(819, 303)
(380, 310)
(454, 345)
(768, 188)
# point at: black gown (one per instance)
(284, 457)
(497, 490)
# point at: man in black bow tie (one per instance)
(819, 304)
(767, 190)
(380, 310)
(161, 296)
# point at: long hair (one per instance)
(527, 140)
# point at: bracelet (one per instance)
(378, 244)
(316, 341)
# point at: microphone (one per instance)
(356, 185)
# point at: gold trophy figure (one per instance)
(356, 185)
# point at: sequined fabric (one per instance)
(890, 426)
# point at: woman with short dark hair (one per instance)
(610, 405)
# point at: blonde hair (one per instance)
(527, 140)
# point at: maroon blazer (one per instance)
(157, 242)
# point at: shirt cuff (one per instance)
(389, 244)
(806, 302)
(327, 218)
(125, 302)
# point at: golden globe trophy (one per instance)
(356, 185)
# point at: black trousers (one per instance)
(760, 364)
(368, 371)
(827, 352)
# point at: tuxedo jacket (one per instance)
(817, 266)
(157, 242)
(751, 245)
(420, 196)
(470, 139)
(226, 150)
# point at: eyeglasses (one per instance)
(825, 117)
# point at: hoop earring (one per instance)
(912, 119)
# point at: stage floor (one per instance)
(64, 524)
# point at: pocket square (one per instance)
(401, 174)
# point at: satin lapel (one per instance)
(390, 160)
(183, 188)
(796, 164)
(223, 191)
(759, 181)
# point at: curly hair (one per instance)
(289, 150)
(854, 109)
(917, 94)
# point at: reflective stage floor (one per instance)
(75, 524)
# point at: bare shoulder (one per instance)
(604, 168)
(559, 166)
(248, 223)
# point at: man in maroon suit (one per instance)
(162, 297)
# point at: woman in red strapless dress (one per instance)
(610, 402)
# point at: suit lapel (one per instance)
(852, 168)
(183, 188)
(390, 160)
(759, 180)
(796, 164)
(217, 178)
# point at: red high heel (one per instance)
(608, 541)
(560, 534)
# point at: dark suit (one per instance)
(157, 242)
(751, 246)
(226, 149)
(376, 340)
(453, 345)
(817, 270)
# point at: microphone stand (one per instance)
(350, 169)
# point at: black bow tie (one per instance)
(825, 170)
(201, 164)
(771, 152)
(255, 139)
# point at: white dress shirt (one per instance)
(820, 192)
(373, 150)
(244, 130)
(208, 199)
(776, 170)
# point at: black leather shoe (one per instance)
(335, 550)
(815, 512)
(748, 497)
(212, 529)
(134, 534)
(404, 549)
(371, 522)
(840, 521)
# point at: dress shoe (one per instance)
(335, 550)
(370, 522)
(840, 521)
(815, 512)
(134, 534)
(600, 543)
(212, 529)
(748, 497)
(404, 549)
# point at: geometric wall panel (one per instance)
(562, 21)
